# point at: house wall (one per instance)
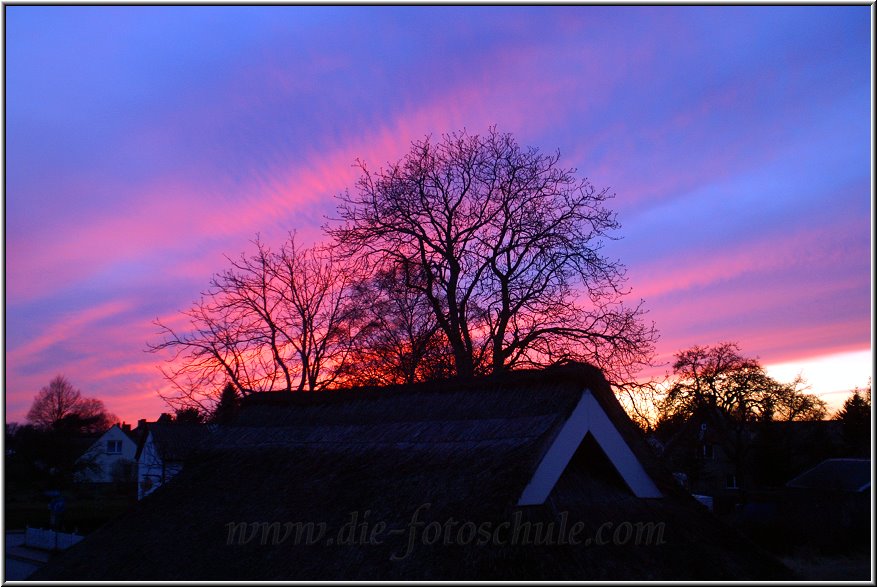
(152, 470)
(834, 520)
(701, 455)
(104, 462)
(708, 474)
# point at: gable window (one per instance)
(114, 447)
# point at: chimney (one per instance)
(141, 423)
(126, 427)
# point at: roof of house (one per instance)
(81, 444)
(175, 441)
(844, 475)
(375, 462)
(130, 434)
(133, 434)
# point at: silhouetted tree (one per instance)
(721, 377)
(855, 414)
(504, 245)
(53, 402)
(399, 341)
(790, 403)
(48, 452)
(272, 321)
(60, 406)
(12, 429)
(471, 255)
(189, 416)
(32, 452)
(735, 393)
(857, 407)
(227, 406)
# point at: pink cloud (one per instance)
(73, 325)
(80, 331)
(109, 363)
(761, 321)
(176, 226)
(172, 213)
(795, 253)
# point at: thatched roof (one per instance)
(458, 454)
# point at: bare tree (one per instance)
(399, 341)
(59, 405)
(721, 377)
(53, 402)
(736, 394)
(272, 321)
(323, 322)
(791, 402)
(504, 245)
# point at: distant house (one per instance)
(708, 455)
(163, 450)
(829, 505)
(534, 475)
(783, 450)
(712, 455)
(111, 458)
(835, 475)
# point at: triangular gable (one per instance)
(98, 444)
(588, 416)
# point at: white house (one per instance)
(111, 457)
(162, 452)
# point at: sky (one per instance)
(144, 143)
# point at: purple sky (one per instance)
(145, 142)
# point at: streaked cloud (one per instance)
(145, 143)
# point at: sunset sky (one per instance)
(143, 143)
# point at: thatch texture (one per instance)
(466, 450)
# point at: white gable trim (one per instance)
(588, 416)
